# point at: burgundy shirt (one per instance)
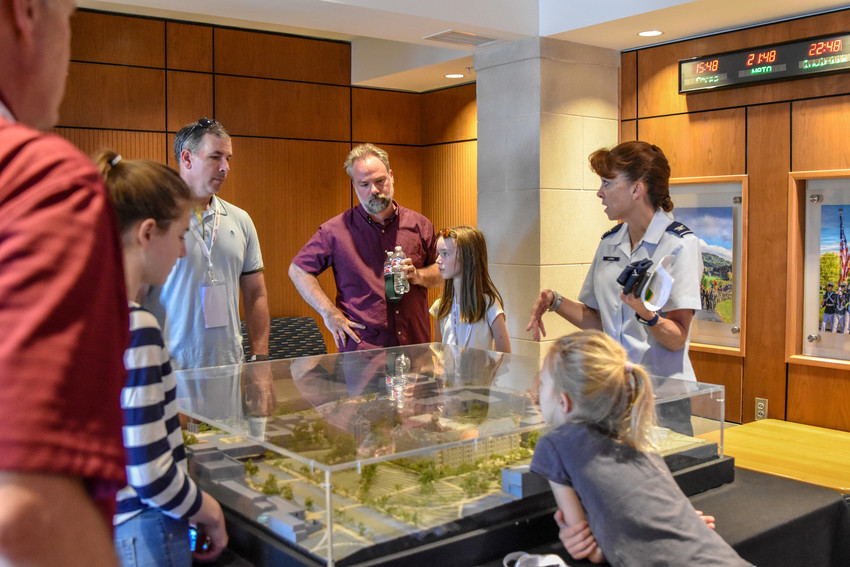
(63, 315)
(355, 246)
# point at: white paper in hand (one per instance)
(656, 290)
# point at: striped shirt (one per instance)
(156, 458)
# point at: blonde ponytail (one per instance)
(609, 393)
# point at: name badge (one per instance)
(611, 258)
(214, 297)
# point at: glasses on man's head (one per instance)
(203, 124)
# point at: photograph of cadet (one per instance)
(834, 271)
(714, 226)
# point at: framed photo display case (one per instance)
(714, 208)
(818, 302)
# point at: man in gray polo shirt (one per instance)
(198, 306)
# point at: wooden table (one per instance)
(791, 450)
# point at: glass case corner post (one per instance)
(329, 511)
(721, 400)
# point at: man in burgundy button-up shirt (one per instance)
(354, 245)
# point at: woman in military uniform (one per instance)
(635, 189)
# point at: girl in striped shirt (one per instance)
(160, 501)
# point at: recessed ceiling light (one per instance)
(454, 76)
(650, 33)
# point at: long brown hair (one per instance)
(142, 189)
(637, 161)
(478, 292)
(608, 392)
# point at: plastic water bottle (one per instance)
(390, 386)
(400, 282)
(402, 366)
(395, 382)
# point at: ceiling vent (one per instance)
(462, 38)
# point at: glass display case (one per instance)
(367, 457)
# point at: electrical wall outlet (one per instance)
(761, 408)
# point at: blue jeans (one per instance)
(152, 539)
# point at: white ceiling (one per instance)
(387, 36)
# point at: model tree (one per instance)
(270, 487)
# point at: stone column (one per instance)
(543, 106)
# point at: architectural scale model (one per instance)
(478, 462)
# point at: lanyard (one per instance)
(198, 232)
(456, 326)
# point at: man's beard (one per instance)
(377, 204)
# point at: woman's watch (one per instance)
(647, 322)
(556, 301)
(258, 357)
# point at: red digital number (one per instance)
(704, 66)
(822, 47)
(761, 58)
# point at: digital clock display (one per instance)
(770, 63)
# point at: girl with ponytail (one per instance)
(617, 500)
(160, 502)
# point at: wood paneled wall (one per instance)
(288, 103)
(764, 131)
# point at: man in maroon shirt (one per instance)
(63, 313)
(354, 245)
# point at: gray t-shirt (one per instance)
(634, 507)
